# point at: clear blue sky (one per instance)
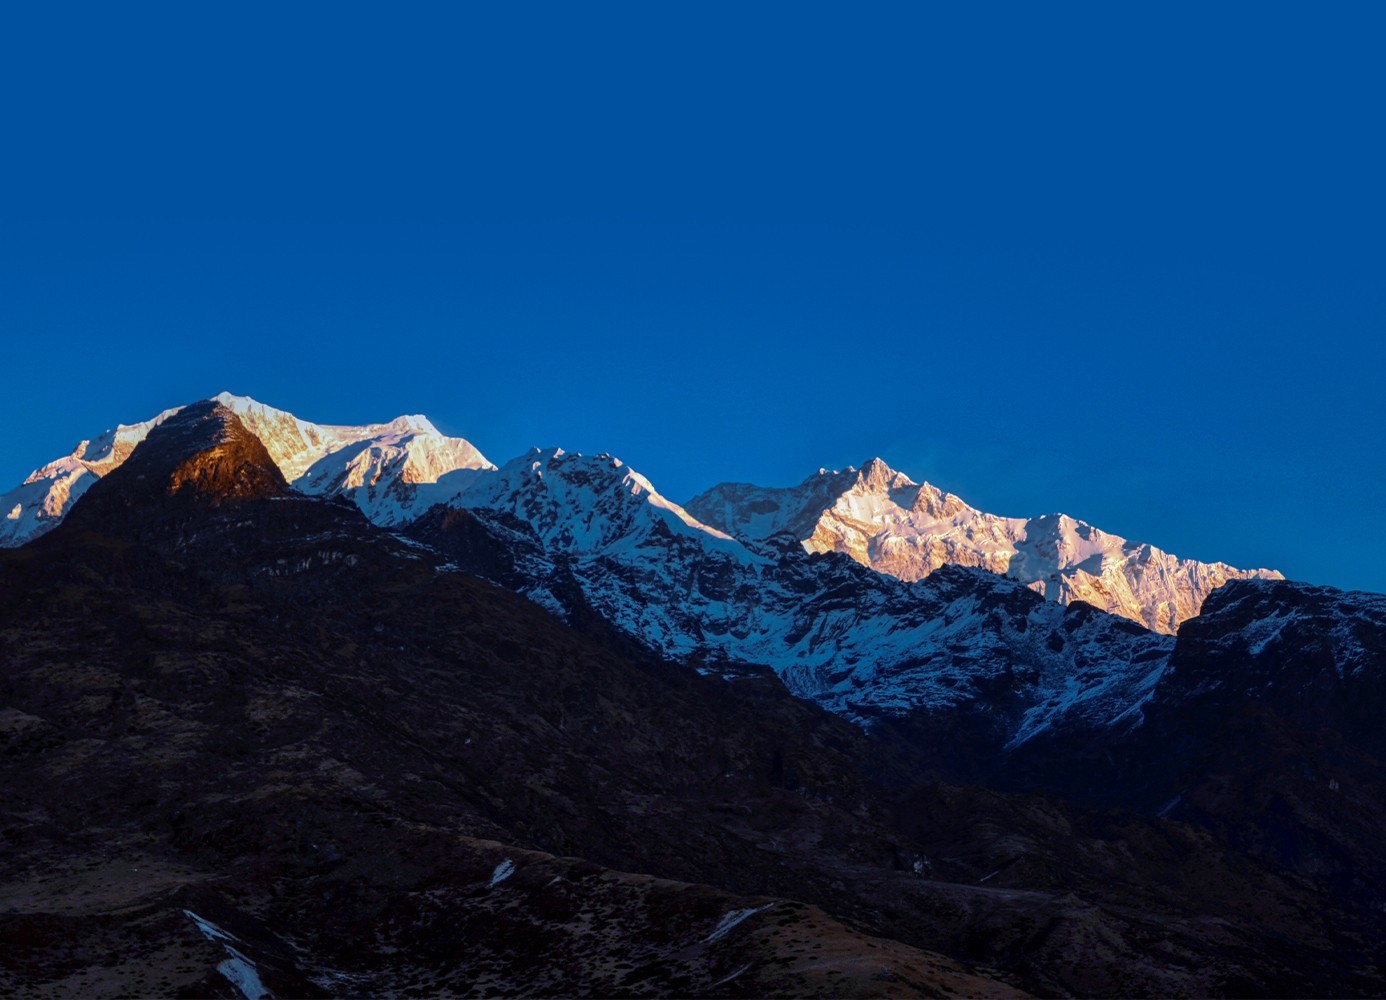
(1128, 263)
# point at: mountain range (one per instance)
(339, 690)
(719, 584)
(877, 516)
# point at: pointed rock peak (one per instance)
(201, 452)
(936, 503)
(875, 475)
(209, 451)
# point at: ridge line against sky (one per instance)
(1120, 264)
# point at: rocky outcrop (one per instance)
(203, 453)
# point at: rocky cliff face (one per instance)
(202, 453)
(884, 520)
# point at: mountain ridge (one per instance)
(883, 519)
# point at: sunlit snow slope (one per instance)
(885, 520)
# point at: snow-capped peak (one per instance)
(238, 404)
(582, 505)
(875, 475)
(377, 465)
(413, 423)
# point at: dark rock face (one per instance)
(241, 729)
(1265, 730)
(1314, 655)
(202, 453)
(1271, 725)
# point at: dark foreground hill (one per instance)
(251, 743)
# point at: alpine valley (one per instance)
(294, 709)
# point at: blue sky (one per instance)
(1125, 264)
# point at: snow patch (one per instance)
(727, 979)
(731, 919)
(238, 969)
(503, 871)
